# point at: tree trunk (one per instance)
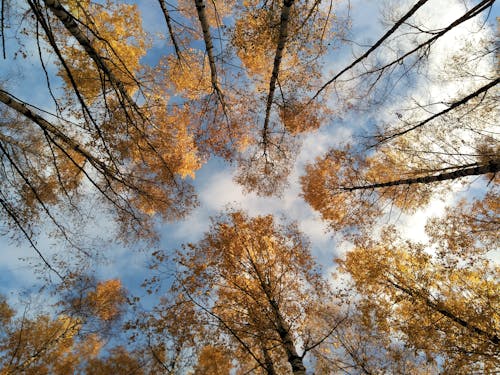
(283, 330)
(285, 14)
(164, 9)
(209, 46)
(492, 166)
(46, 126)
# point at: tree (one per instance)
(417, 40)
(255, 283)
(432, 145)
(37, 343)
(245, 81)
(280, 45)
(437, 299)
(137, 133)
(169, 344)
(352, 191)
(133, 155)
(443, 309)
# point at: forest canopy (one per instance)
(312, 190)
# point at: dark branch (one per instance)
(166, 14)
(372, 48)
(458, 103)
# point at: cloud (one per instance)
(412, 226)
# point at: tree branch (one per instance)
(205, 27)
(377, 44)
(442, 310)
(166, 14)
(458, 103)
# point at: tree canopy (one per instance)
(110, 111)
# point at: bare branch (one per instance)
(458, 103)
(10, 212)
(377, 44)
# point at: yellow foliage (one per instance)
(298, 117)
(213, 361)
(107, 299)
(259, 279)
(118, 37)
(191, 75)
(439, 307)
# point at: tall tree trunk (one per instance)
(282, 327)
(284, 333)
(166, 14)
(283, 35)
(209, 46)
(492, 166)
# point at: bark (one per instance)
(2, 28)
(492, 166)
(209, 46)
(283, 35)
(283, 330)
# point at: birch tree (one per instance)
(255, 284)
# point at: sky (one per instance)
(214, 182)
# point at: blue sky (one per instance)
(214, 182)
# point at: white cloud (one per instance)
(412, 226)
